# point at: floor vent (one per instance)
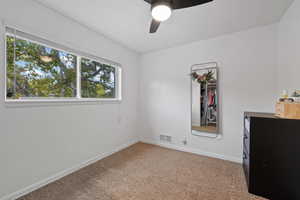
(165, 138)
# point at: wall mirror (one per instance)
(205, 104)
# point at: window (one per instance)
(35, 71)
(97, 79)
(39, 71)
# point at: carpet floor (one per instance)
(148, 172)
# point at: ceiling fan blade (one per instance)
(154, 26)
(178, 4)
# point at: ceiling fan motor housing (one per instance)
(155, 3)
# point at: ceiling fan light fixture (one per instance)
(161, 12)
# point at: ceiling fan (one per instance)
(161, 10)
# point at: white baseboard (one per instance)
(194, 151)
(64, 173)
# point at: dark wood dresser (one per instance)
(271, 156)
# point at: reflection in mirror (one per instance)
(205, 100)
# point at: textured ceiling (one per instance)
(128, 21)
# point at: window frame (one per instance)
(40, 41)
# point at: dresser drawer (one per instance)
(246, 140)
(246, 165)
(247, 121)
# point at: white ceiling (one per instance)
(128, 21)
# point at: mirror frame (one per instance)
(209, 134)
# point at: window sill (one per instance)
(71, 100)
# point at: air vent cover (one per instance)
(165, 138)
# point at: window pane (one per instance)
(39, 71)
(97, 79)
(9, 65)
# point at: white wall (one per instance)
(40, 140)
(247, 62)
(289, 49)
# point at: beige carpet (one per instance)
(147, 172)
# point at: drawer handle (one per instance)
(244, 156)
